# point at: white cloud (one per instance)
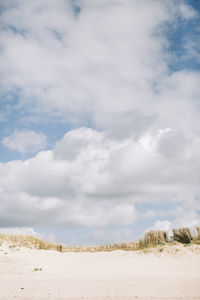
(109, 67)
(25, 141)
(107, 61)
(185, 218)
(161, 225)
(187, 11)
(99, 184)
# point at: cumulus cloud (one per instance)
(25, 141)
(107, 64)
(105, 61)
(99, 184)
(104, 65)
(161, 225)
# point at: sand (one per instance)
(170, 272)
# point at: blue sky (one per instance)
(99, 118)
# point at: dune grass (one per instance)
(182, 235)
(110, 247)
(151, 239)
(27, 241)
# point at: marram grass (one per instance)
(27, 241)
(182, 235)
(151, 239)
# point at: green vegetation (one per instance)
(37, 269)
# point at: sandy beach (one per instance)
(169, 272)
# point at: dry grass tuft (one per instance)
(183, 235)
(153, 238)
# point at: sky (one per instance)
(99, 118)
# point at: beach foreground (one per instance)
(169, 272)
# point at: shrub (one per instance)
(182, 235)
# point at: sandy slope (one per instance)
(171, 274)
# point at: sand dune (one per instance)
(169, 272)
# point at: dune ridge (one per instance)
(151, 239)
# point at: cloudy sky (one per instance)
(99, 117)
